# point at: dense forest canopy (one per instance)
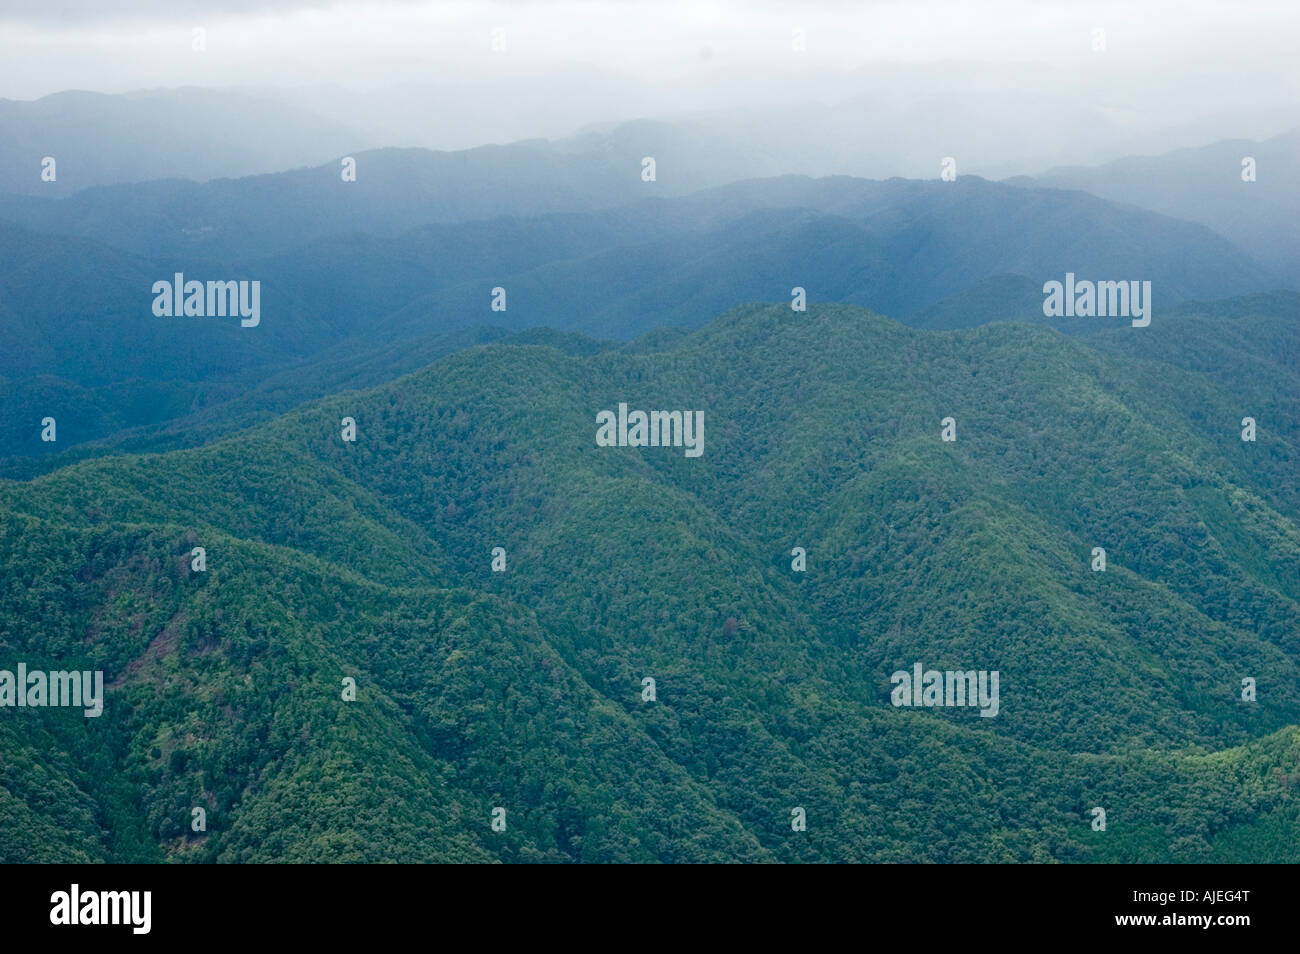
(523, 688)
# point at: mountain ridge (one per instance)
(822, 430)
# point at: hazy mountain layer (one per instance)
(1207, 185)
(89, 351)
(98, 139)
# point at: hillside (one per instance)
(522, 689)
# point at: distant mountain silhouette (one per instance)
(99, 139)
(1205, 185)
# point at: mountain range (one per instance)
(1210, 185)
(384, 577)
(523, 689)
(90, 351)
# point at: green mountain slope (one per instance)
(523, 689)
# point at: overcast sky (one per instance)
(116, 45)
(1165, 62)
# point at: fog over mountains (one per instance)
(351, 261)
(202, 134)
(1205, 185)
(307, 363)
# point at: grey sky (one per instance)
(1165, 63)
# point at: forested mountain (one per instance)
(88, 350)
(523, 689)
(205, 412)
(1206, 185)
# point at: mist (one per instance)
(876, 89)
